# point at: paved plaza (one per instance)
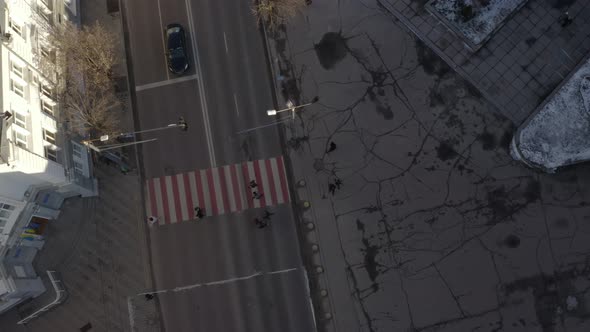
(434, 227)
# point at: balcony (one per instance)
(46, 6)
(47, 95)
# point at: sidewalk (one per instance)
(96, 246)
(435, 227)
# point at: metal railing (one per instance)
(60, 296)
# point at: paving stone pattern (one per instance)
(522, 63)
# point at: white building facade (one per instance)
(40, 165)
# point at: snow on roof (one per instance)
(558, 134)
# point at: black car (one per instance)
(176, 49)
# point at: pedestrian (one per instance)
(267, 215)
(332, 188)
(199, 212)
(338, 183)
(257, 195)
(260, 223)
(332, 147)
(152, 220)
(565, 19)
(253, 184)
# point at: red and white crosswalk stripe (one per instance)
(221, 190)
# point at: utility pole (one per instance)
(181, 124)
(291, 107)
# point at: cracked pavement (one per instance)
(435, 227)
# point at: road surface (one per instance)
(228, 274)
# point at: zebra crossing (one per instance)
(221, 190)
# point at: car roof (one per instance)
(174, 25)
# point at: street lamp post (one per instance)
(180, 124)
(291, 107)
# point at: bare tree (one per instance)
(82, 72)
(275, 12)
(91, 108)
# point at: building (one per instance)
(40, 165)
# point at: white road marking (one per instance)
(277, 180)
(218, 282)
(159, 201)
(206, 122)
(171, 198)
(236, 103)
(229, 184)
(184, 212)
(193, 185)
(264, 183)
(163, 41)
(252, 176)
(241, 186)
(205, 184)
(218, 190)
(225, 41)
(166, 82)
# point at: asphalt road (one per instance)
(257, 274)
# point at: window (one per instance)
(16, 69)
(50, 154)
(5, 212)
(49, 136)
(121, 84)
(15, 27)
(20, 139)
(112, 6)
(44, 15)
(78, 168)
(17, 88)
(47, 108)
(7, 207)
(77, 151)
(47, 53)
(46, 91)
(19, 119)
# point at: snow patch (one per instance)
(558, 134)
(486, 17)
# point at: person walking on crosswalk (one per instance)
(260, 223)
(199, 213)
(267, 215)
